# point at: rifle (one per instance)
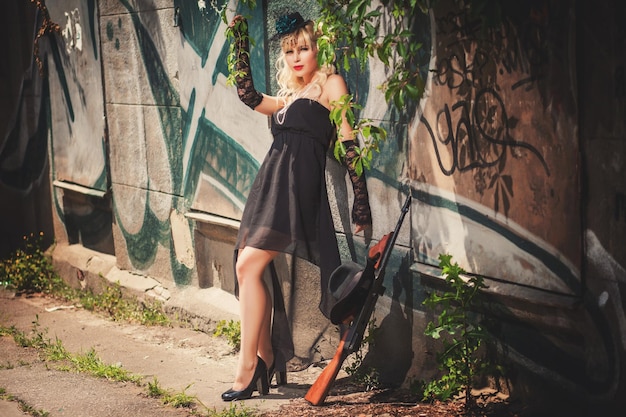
(351, 338)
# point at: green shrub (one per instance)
(231, 330)
(29, 269)
(461, 332)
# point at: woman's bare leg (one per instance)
(254, 306)
(264, 348)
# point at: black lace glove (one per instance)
(361, 212)
(245, 86)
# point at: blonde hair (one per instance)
(289, 84)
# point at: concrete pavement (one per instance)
(181, 359)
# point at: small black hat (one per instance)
(289, 23)
(349, 286)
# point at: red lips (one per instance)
(298, 67)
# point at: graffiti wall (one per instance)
(495, 161)
(489, 150)
(77, 127)
(132, 144)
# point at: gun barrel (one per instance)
(358, 326)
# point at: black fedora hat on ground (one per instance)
(348, 286)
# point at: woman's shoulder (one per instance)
(335, 81)
(335, 87)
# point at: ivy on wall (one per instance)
(383, 32)
(47, 27)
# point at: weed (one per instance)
(231, 330)
(28, 269)
(180, 399)
(36, 340)
(18, 337)
(112, 302)
(22, 405)
(235, 410)
(28, 409)
(465, 334)
(90, 363)
(150, 313)
(184, 400)
(51, 351)
(176, 400)
(154, 390)
(55, 352)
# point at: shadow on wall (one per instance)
(391, 352)
(24, 170)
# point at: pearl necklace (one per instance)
(280, 115)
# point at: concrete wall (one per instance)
(138, 149)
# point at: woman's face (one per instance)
(301, 58)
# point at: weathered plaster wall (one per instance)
(497, 131)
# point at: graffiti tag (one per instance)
(480, 136)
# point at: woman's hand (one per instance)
(359, 228)
(238, 18)
(242, 72)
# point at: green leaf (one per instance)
(413, 91)
(358, 166)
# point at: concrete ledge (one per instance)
(138, 284)
(81, 267)
(202, 309)
(86, 269)
(79, 189)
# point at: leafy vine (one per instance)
(353, 30)
(47, 27)
(381, 32)
(371, 134)
(364, 38)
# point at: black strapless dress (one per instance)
(287, 208)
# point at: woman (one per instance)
(287, 210)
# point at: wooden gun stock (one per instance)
(320, 389)
(351, 339)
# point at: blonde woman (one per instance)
(287, 210)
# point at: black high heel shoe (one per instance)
(281, 377)
(259, 383)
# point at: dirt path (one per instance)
(181, 359)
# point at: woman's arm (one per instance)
(334, 89)
(243, 76)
